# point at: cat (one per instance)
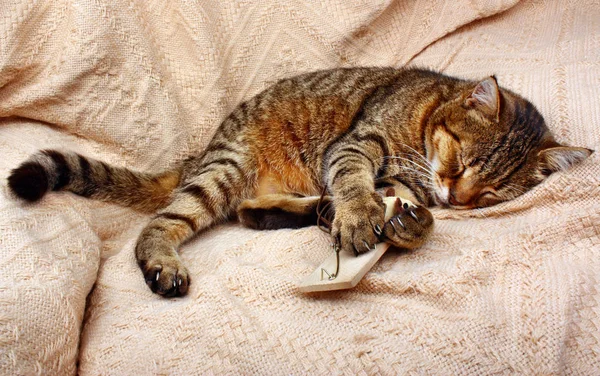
(436, 139)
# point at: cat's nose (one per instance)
(451, 199)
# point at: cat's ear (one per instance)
(486, 98)
(561, 158)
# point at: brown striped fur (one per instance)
(438, 140)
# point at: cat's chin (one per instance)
(446, 205)
(441, 202)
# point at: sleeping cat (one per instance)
(437, 140)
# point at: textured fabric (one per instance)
(511, 289)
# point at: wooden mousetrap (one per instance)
(342, 270)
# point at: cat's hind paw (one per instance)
(166, 276)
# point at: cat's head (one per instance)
(489, 145)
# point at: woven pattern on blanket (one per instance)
(511, 289)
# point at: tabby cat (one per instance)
(437, 140)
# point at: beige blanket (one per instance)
(512, 289)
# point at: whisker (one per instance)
(420, 182)
(413, 177)
(417, 172)
(519, 189)
(518, 186)
(414, 168)
(423, 182)
(411, 161)
(419, 155)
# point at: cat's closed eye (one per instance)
(488, 192)
(474, 162)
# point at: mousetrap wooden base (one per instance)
(352, 269)
(346, 271)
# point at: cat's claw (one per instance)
(367, 245)
(412, 214)
(399, 222)
(166, 277)
(410, 228)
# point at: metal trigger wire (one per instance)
(325, 224)
(332, 276)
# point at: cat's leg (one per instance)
(210, 192)
(351, 165)
(274, 211)
(408, 228)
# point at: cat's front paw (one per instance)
(166, 276)
(358, 225)
(410, 228)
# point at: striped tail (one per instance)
(52, 170)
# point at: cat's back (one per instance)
(332, 96)
(351, 82)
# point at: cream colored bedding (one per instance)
(506, 290)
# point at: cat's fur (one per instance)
(439, 140)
